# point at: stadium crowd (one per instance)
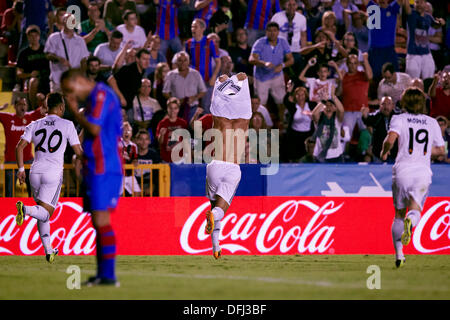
(329, 81)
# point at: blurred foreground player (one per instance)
(419, 139)
(102, 167)
(49, 136)
(231, 109)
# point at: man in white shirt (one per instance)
(107, 52)
(49, 136)
(258, 107)
(293, 29)
(65, 50)
(419, 138)
(131, 30)
(393, 83)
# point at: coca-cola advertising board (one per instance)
(252, 225)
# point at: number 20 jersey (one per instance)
(50, 136)
(417, 134)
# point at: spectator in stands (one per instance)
(129, 153)
(435, 36)
(379, 121)
(270, 55)
(329, 24)
(310, 144)
(355, 90)
(201, 51)
(293, 29)
(259, 13)
(320, 88)
(258, 107)
(393, 83)
(14, 125)
(221, 52)
(156, 55)
(58, 24)
(167, 26)
(355, 22)
(439, 93)
(38, 13)
(127, 81)
(227, 66)
(126, 55)
(186, 84)
(32, 66)
(65, 50)
(206, 122)
(351, 47)
(220, 23)
(95, 30)
(144, 106)
(160, 74)
(166, 127)
(93, 70)
(443, 124)
(107, 52)
(11, 28)
(338, 8)
(240, 53)
(132, 31)
(300, 126)
(258, 124)
(114, 9)
(382, 39)
(328, 119)
(419, 61)
(146, 155)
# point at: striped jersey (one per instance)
(167, 22)
(200, 53)
(102, 152)
(207, 12)
(260, 12)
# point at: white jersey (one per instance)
(417, 134)
(49, 136)
(231, 99)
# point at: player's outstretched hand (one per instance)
(21, 177)
(241, 76)
(384, 156)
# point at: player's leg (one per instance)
(219, 207)
(398, 223)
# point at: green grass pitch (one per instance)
(232, 277)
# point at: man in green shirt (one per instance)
(95, 30)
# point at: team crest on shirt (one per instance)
(388, 14)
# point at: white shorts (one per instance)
(46, 187)
(222, 179)
(408, 185)
(131, 185)
(420, 66)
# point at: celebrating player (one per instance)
(103, 170)
(231, 109)
(419, 138)
(49, 136)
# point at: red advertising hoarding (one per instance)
(252, 225)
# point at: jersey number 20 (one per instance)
(51, 148)
(421, 136)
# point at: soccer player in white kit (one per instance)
(231, 109)
(419, 139)
(49, 136)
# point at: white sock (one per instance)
(414, 215)
(218, 213)
(215, 235)
(44, 232)
(397, 230)
(37, 212)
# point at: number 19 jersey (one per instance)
(417, 134)
(50, 136)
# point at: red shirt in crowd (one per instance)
(14, 128)
(440, 104)
(355, 90)
(168, 143)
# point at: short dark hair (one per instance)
(54, 99)
(117, 34)
(272, 24)
(93, 58)
(388, 66)
(141, 51)
(141, 132)
(127, 13)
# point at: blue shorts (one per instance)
(102, 192)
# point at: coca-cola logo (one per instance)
(277, 231)
(432, 233)
(76, 238)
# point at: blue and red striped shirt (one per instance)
(207, 12)
(102, 152)
(167, 23)
(260, 12)
(201, 52)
